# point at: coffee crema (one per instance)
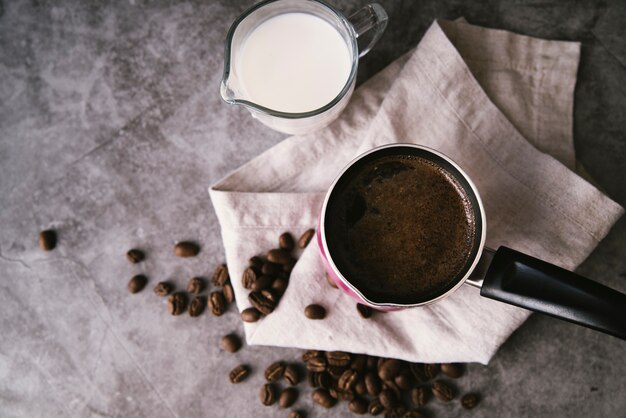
(403, 229)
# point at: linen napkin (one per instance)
(497, 103)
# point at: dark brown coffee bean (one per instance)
(364, 311)
(239, 373)
(372, 363)
(389, 368)
(288, 397)
(316, 364)
(278, 256)
(404, 380)
(359, 363)
(336, 371)
(286, 241)
(397, 411)
(163, 289)
(391, 385)
(177, 303)
(470, 401)
(453, 370)
(248, 278)
(196, 307)
(137, 283)
(387, 398)
(431, 370)
(195, 285)
(341, 395)
(424, 372)
(360, 388)
(186, 249)
(305, 238)
(419, 396)
(250, 315)
(288, 267)
(296, 414)
(47, 240)
(271, 295)
(220, 275)
(135, 256)
(309, 354)
(229, 293)
(442, 391)
(256, 263)
(338, 358)
(358, 406)
(348, 379)
(323, 398)
(267, 394)
(375, 407)
(315, 311)
(261, 303)
(280, 285)
(274, 371)
(320, 379)
(270, 269)
(291, 375)
(263, 282)
(231, 343)
(413, 414)
(217, 304)
(373, 384)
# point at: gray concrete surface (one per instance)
(111, 128)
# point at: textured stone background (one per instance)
(111, 129)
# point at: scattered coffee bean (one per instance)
(231, 343)
(359, 363)
(271, 295)
(364, 311)
(331, 282)
(47, 240)
(239, 373)
(341, 395)
(248, 278)
(196, 306)
(375, 407)
(390, 384)
(261, 283)
(176, 303)
(270, 269)
(274, 371)
(229, 293)
(278, 256)
(315, 311)
(186, 249)
(296, 414)
(250, 315)
(261, 303)
(413, 414)
(373, 384)
(348, 379)
(387, 398)
(220, 275)
(135, 256)
(305, 238)
(358, 406)
(286, 241)
(442, 391)
(163, 289)
(424, 372)
(470, 400)
(316, 364)
(137, 283)
(291, 375)
(267, 394)
(431, 370)
(255, 262)
(288, 397)
(217, 304)
(323, 398)
(195, 285)
(403, 379)
(453, 370)
(309, 354)
(288, 267)
(360, 388)
(389, 368)
(280, 285)
(336, 371)
(338, 358)
(419, 396)
(320, 379)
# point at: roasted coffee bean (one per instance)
(341, 395)
(419, 396)
(323, 398)
(336, 371)
(387, 398)
(413, 414)
(364, 311)
(280, 285)
(372, 363)
(331, 282)
(263, 282)
(239, 373)
(248, 278)
(267, 394)
(196, 306)
(286, 241)
(319, 379)
(288, 397)
(373, 384)
(177, 303)
(424, 372)
(403, 380)
(288, 267)
(229, 293)
(359, 363)
(348, 379)
(135, 256)
(390, 384)
(375, 407)
(137, 283)
(359, 388)
(217, 304)
(220, 275)
(389, 368)
(250, 315)
(316, 364)
(296, 414)
(47, 240)
(470, 400)
(358, 406)
(291, 375)
(163, 289)
(442, 391)
(278, 256)
(186, 249)
(453, 370)
(271, 295)
(305, 238)
(309, 354)
(315, 311)
(231, 343)
(270, 269)
(274, 371)
(397, 411)
(431, 370)
(195, 285)
(338, 358)
(256, 263)
(261, 303)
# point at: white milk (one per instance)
(294, 62)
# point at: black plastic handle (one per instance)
(525, 281)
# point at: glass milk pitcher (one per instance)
(293, 63)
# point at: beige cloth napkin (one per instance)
(500, 105)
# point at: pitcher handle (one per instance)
(370, 17)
